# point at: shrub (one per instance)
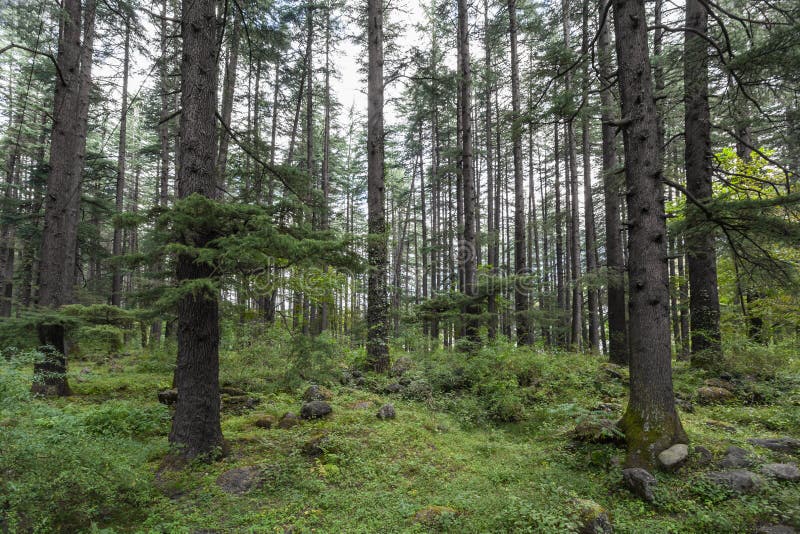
(97, 341)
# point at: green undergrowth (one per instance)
(480, 444)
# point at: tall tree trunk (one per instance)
(700, 254)
(196, 427)
(651, 422)
(62, 199)
(520, 296)
(326, 152)
(228, 90)
(377, 305)
(468, 255)
(116, 282)
(612, 178)
(491, 229)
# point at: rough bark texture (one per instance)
(520, 296)
(196, 425)
(617, 321)
(62, 200)
(377, 302)
(468, 249)
(700, 255)
(651, 422)
(228, 90)
(116, 281)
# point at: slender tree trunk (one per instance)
(612, 185)
(377, 306)
(326, 153)
(228, 90)
(651, 422)
(700, 254)
(196, 430)
(116, 283)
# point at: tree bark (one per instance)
(228, 90)
(196, 430)
(377, 305)
(700, 254)
(651, 422)
(116, 282)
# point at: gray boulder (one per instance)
(736, 480)
(674, 457)
(394, 388)
(386, 412)
(788, 472)
(288, 420)
(594, 518)
(317, 393)
(788, 445)
(640, 482)
(315, 410)
(735, 458)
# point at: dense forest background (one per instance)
(474, 206)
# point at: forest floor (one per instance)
(444, 464)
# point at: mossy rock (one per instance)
(593, 518)
(714, 395)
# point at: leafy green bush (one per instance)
(744, 357)
(96, 342)
(124, 418)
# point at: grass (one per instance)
(442, 465)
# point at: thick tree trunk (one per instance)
(700, 254)
(612, 184)
(377, 305)
(520, 296)
(651, 422)
(62, 200)
(196, 430)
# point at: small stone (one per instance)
(640, 482)
(394, 388)
(788, 445)
(593, 518)
(674, 457)
(736, 457)
(614, 371)
(239, 480)
(703, 456)
(238, 403)
(265, 421)
(317, 393)
(315, 410)
(316, 445)
(737, 480)
(597, 431)
(713, 395)
(788, 472)
(345, 378)
(401, 366)
(168, 396)
(386, 412)
(405, 381)
(288, 420)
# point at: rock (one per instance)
(232, 391)
(788, 472)
(401, 366)
(713, 395)
(776, 529)
(713, 423)
(239, 480)
(168, 396)
(345, 378)
(315, 410)
(674, 457)
(359, 381)
(317, 393)
(362, 405)
(386, 412)
(238, 403)
(431, 515)
(640, 482)
(265, 421)
(597, 431)
(685, 405)
(737, 480)
(703, 456)
(405, 381)
(788, 445)
(593, 518)
(736, 457)
(720, 383)
(614, 371)
(316, 445)
(393, 388)
(288, 420)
